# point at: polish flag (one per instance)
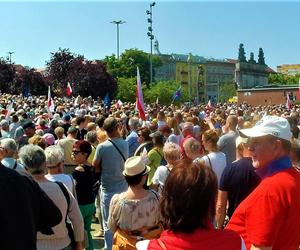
(289, 103)
(69, 89)
(119, 104)
(50, 103)
(139, 97)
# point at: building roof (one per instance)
(270, 87)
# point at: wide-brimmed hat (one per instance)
(134, 166)
(269, 125)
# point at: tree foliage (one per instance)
(129, 60)
(261, 57)
(86, 77)
(242, 57)
(281, 79)
(7, 74)
(165, 91)
(126, 89)
(227, 90)
(29, 80)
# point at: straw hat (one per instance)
(134, 166)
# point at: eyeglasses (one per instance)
(76, 152)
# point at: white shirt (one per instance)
(218, 163)
(10, 163)
(65, 179)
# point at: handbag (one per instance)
(127, 240)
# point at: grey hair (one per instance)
(54, 155)
(91, 137)
(33, 158)
(134, 123)
(9, 144)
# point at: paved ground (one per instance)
(98, 242)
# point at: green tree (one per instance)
(281, 79)
(226, 91)
(261, 57)
(129, 61)
(251, 60)
(164, 91)
(126, 89)
(242, 57)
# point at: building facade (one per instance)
(267, 96)
(289, 69)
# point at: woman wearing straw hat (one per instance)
(134, 214)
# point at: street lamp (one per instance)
(189, 61)
(118, 40)
(10, 53)
(151, 37)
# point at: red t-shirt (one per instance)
(269, 216)
(201, 239)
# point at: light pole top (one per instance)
(118, 22)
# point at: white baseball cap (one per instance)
(269, 125)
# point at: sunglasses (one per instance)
(76, 152)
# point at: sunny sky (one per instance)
(211, 29)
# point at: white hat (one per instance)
(240, 140)
(134, 166)
(269, 125)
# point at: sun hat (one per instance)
(134, 166)
(269, 125)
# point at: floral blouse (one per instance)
(133, 214)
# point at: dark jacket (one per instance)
(24, 210)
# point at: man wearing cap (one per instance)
(269, 217)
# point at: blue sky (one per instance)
(211, 29)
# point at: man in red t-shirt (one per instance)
(268, 218)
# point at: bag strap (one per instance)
(209, 161)
(73, 186)
(66, 194)
(16, 164)
(159, 153)
(117, 149)
(155, 194)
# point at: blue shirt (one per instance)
(133, 143)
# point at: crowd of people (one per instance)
(190, 177)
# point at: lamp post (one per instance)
(189, 61)
(151, 37)
(118, 40)
(10, 53)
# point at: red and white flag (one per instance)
(50, 103)
(139, 96)
(119, 104)
(69, 89)
(289, 103)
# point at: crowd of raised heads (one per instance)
(186, 177)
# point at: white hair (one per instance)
(33, 158)
(54, 155)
